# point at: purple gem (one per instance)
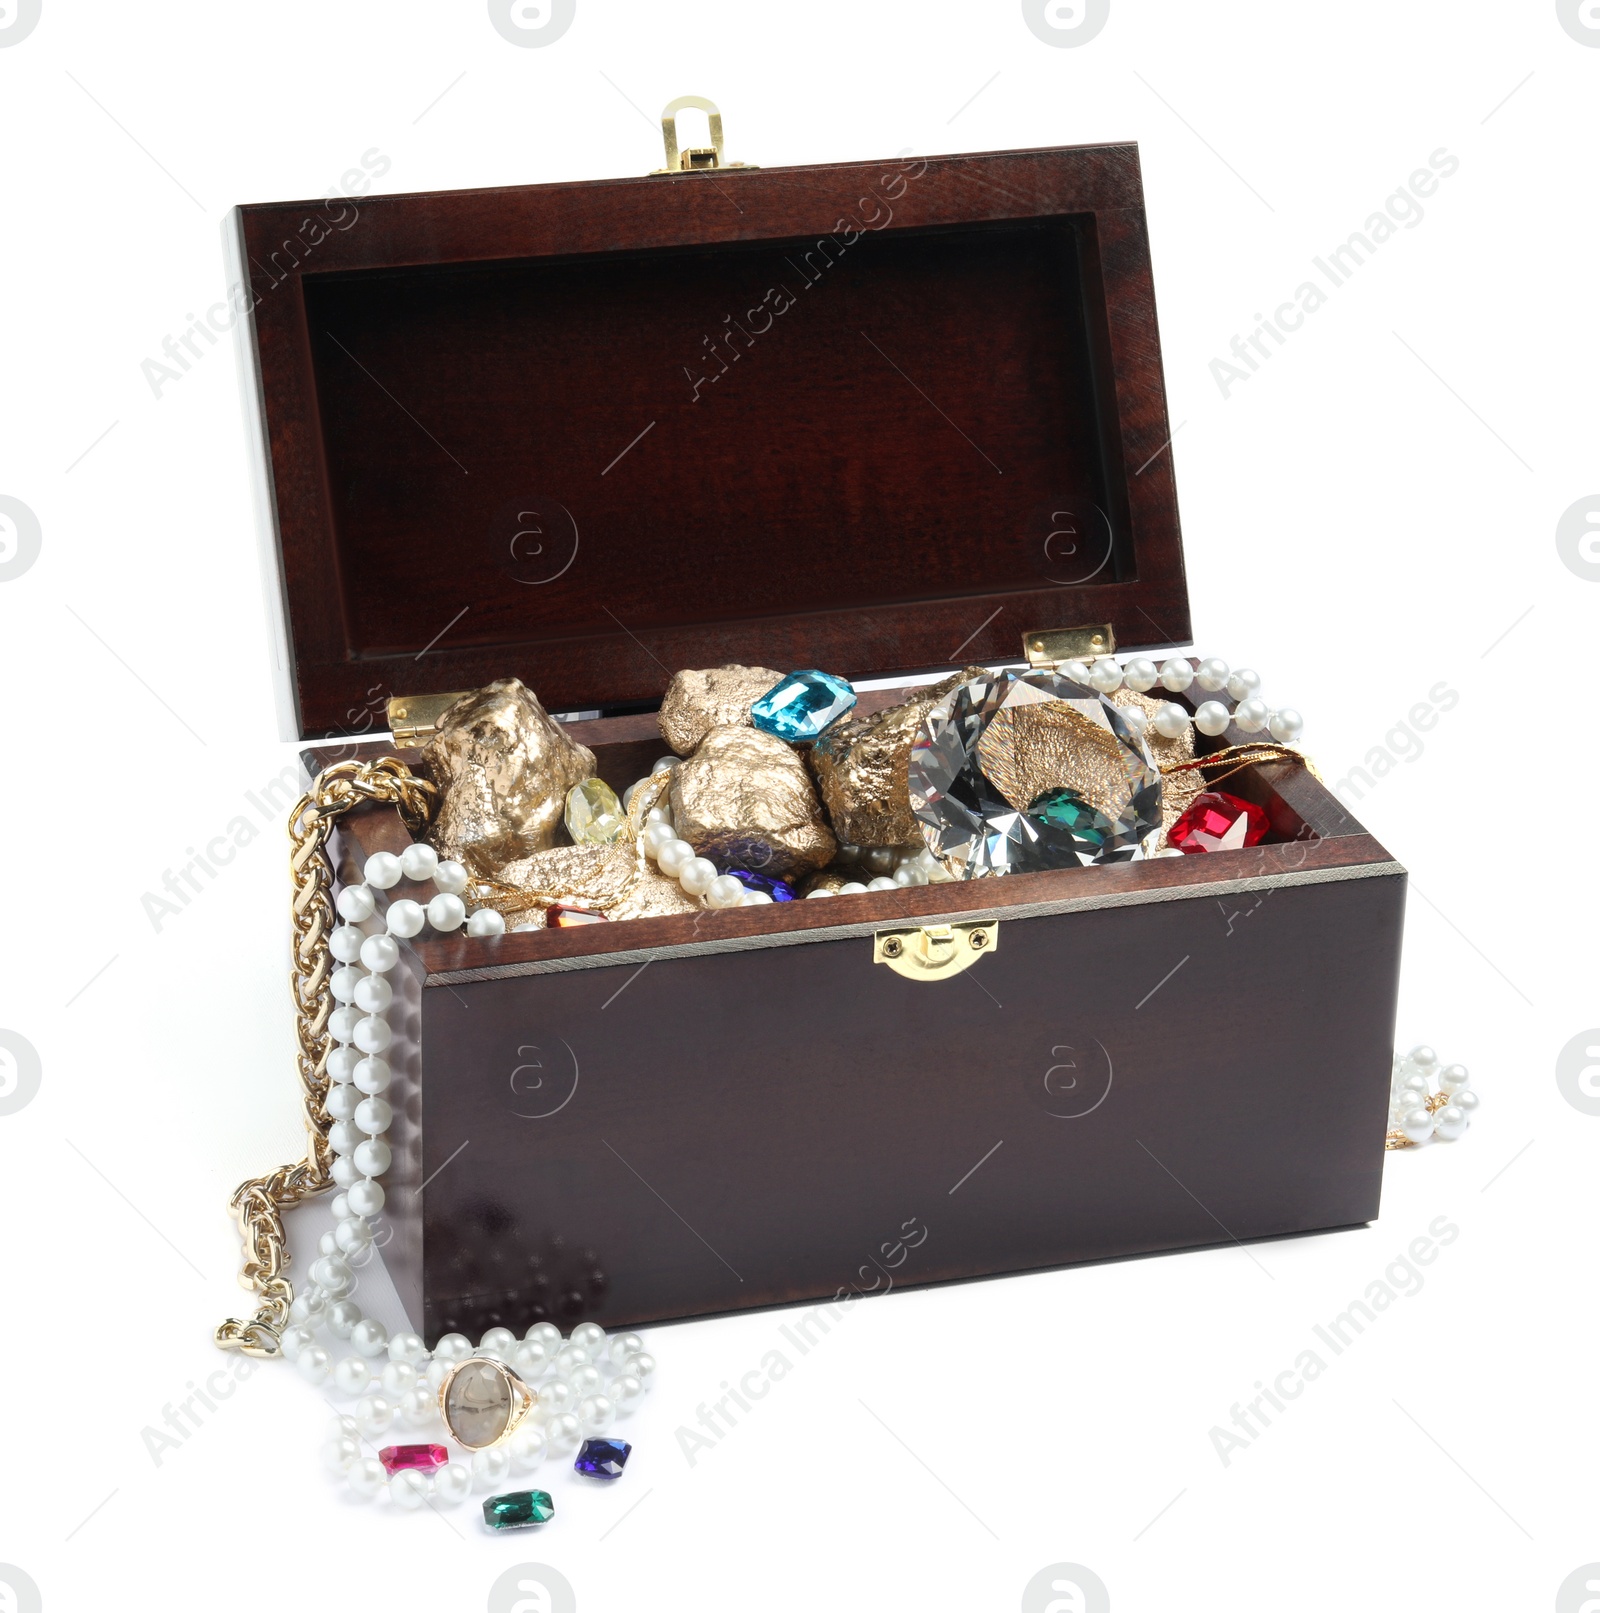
(602, 1458)
(774, 887)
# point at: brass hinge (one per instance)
(1051, 645)
(694, 159)
(414, 717)
(935, 951)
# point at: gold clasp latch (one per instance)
(413, 718)
(693, 159)
(935, 951)
(1050, 646)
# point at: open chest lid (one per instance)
(878, 417)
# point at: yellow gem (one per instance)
(594, 814)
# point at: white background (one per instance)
(1372, 513)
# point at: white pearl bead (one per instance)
(294, 1338)
(1422, 1057)
(697, 874)
(447, 912)
(342, 1024)
(498, 1341)
(623, 1348)
(596, 1413)
(342, 1316)
(372, 1075)
(332, 1274)
(1451, 1122)
(328, 1244)
(663, 764)
(1286, 725)
(555, 1397)
(451, 878)
(374, 1116)
(352, 1236)
(490, 1467)
(453, 1347)
(529, 1359)
(626, 1390)
(643, 1367)
(369, 1338)
(1466, 1099)
(352, 1376)
(1211, 718)
(397, 1380)
(526, 1448)
(380, 953)
(1075, 671)
(851, 887)
(374, 1414)
(342, 1063)
(562, 1434)
(452, 1484)
(1136, 719)
(1213, 673)
(821, 890)
(405, 918)
(1417, 1124)
(725, 891)
(1176, 674)
(586, 1381)
(341, 1103)
(382, 870)
(345, 943)
(340, 1455)
(373, 1034)
(1172, 721)
(344, 1171)
(408, 1347)
(419, 1405)
(418, 861)
(674, 855)
(1414, 1081)
(1105, 675)
(657, 814)
(486, 921)
(308, 1305)
(373, 994)
(548, 1334)
(908, 874)
(366, 1478)
(434, 1373)
(880, 884)
(356, 903)
(343, 982)
(761, 899)
(372, 1158)
(1140, 674)
(1252, 715)
(1242, 684)
(590, 1336)
(409, 1488)
(312, 1363)
(657, 834)
(570, 1357)
(1453, 1078)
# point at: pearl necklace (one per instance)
(1417, 1113)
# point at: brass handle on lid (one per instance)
(693, 159)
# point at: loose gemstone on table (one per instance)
(518, 1509)
(603, 1458)
(800, 706)
(1217, 821)
(779, 890)
(412, 1458)
(478, 1402)
(594, 815)
(568, 915)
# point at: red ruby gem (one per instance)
(567, 915)
(412, 1458)
(1217, 821)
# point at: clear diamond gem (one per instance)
(973, 830)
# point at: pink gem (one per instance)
(412, 1458)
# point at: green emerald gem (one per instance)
(1067, 811)
(518, 1509)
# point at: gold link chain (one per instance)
(259, 1203)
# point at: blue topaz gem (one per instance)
(802, 705)
(778, 889)
(603, 1458)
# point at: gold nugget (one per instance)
(721, 697)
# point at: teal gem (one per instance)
(800, 706)
(518, 1509)
(1072, 823)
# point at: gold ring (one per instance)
(482, 1401)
